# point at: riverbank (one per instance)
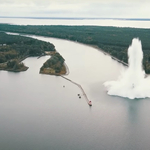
(105, 53)
(13, 66)
(54, 65)
(113, 40)
(14, 70)
(50, 71)
(79, 41)
(15, 48)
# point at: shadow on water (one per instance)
(133, 109)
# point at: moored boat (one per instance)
(90, 103)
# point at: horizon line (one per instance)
(77, 18)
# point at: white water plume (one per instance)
(132, 82)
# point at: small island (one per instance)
(54, 65)
(15, 48)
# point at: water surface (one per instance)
(37, 112)
(91, 22)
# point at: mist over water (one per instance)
(131, 82)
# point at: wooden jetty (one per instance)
(83, 92)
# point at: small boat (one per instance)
(90, 103)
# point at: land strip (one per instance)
(113, 40)
(15, 48)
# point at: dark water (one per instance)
(38, 113)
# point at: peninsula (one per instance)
(112, 40)
(54, 65)
(15, 48)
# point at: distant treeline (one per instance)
(113, 40)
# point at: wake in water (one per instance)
(132, 82)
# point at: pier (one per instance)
(83, 92)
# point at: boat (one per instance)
(90, 103)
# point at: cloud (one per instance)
(75, 8)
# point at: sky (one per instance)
(76, 8)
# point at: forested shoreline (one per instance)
(54, 65)
(15, 48)
(113, 40)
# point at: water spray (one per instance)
(132, 82)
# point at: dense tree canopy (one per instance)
(55, 63)
(15, 46)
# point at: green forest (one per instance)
(54, 65)
(15, 48)
(113, 40)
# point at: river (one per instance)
(37, 112)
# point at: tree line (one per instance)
(55, 63)
(14, 48)
(113, 40)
